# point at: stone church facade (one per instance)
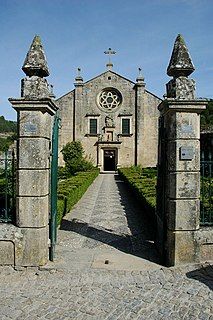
(115, 119)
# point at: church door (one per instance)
(109, 160)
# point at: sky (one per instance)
(75, 33)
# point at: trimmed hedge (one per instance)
(142, 182)
(72, 189)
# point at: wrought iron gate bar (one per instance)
(54, 187)
(7, 187)
(206, 205)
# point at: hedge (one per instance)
(72, 189)
(142, 183)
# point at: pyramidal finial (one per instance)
(180, 63)
(35, 63)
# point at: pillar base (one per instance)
(181, 248)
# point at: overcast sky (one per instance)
(75, 33)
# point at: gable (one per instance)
(110, 73)
(103, 76)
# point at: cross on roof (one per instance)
(109, 52)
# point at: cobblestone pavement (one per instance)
(106, 268)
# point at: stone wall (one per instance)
(79, 105)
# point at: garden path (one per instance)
(107, 229)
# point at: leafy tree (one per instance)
(73, 158)
(7, 125)
(5, 143)
(9, 128)
(207, 116)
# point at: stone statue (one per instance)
(109, 122)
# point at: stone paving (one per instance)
(106, 267)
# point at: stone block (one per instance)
(7, 253)
(32, 211)
(33, 250)
(28, 246)
(183, 214)
(35, 124)
(182, 125)
(204, 238)
(33, 183)
(184, 185)
(206, 252)
(34, 153)
(181, 88)
(176, 161)
(35, 88)
(182, 248)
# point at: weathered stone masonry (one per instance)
(134, 103)
(27, 243)
(109, 98)
(180, 117)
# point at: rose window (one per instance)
(109, 99)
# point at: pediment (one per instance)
(109, 73)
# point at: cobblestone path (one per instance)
(106, 268)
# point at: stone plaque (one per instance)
(187, 128)
(187, 153)
(30, 127)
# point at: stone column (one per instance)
(35, 110)
(181, 114)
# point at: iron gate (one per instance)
(161, 190)
(206, 199)
(53, 187)
(7, 186)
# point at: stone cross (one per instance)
(109, 52)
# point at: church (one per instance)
(114, 118)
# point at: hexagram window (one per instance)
(109, 99)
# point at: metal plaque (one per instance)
(187, 153)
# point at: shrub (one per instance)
(73, 158)
(72, 189)
(63, 173)
(142, 182)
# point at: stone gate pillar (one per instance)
(180, 117)
(35, 110)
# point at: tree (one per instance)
(7, 125)
(5, 143)
(207, 117)
(73, 158)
